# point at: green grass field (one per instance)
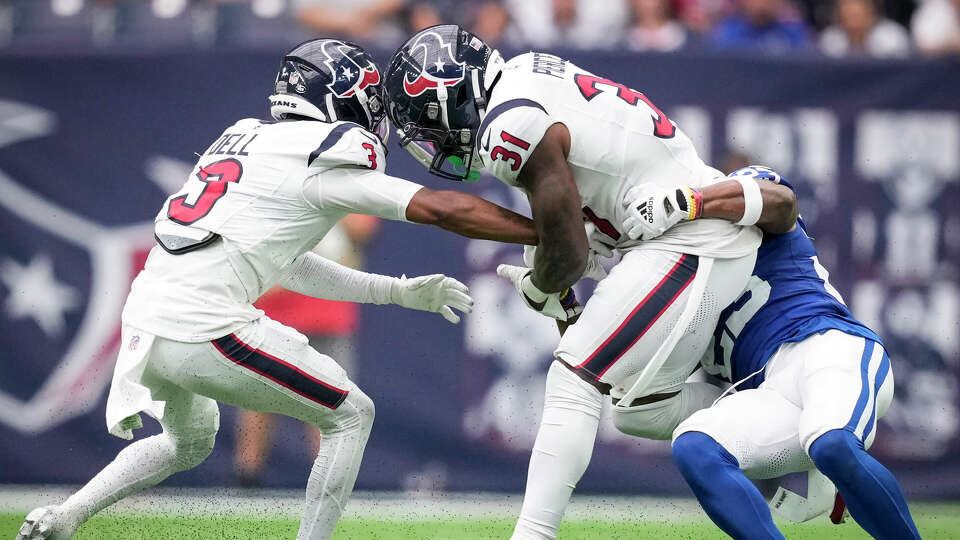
(936, 521)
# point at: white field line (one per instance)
(391, 506)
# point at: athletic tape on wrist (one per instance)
(752, 201)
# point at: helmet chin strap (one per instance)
(363, 99)
(442, 99)
(494, 67)
(491, 72)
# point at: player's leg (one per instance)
(731, 500)
(635, 308)
(190, 424)
(561, 453)
(268, 367)
(846, 385)
(627, 317)
(657, 420)
(750, 433)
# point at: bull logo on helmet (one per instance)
(438, 65)
(349, 77)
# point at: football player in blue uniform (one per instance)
(811, 383)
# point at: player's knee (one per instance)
(698, 455)
(356, 413)
(366, 411)
(194, 443)
(565, 389)
(835, 452)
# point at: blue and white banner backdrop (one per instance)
(89, 146)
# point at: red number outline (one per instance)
(373, 154)
(217, 177)
(503, 154)
(506, 155)
(662, 126)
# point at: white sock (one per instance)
(335, 469)
(561, 453)
(190, 427)
(140, 465)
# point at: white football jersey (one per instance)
(618, 139)
(260, 196)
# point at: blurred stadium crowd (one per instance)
(865, 28)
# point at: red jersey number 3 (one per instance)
(372, 156)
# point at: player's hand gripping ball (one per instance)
(436, 292)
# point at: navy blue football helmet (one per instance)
(330, 80)
(437, 88)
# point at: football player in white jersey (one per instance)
(575, 143)
(260, 197)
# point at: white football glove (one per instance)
(651, 210)
(562, 306)
(594, 269)
(436, 292)
(599, 242)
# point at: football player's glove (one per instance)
(651, 210)
(600, 243)
(437, 293)
(562, 305)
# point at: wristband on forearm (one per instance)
(694, 198)
(752, 200)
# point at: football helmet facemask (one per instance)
(437, 87)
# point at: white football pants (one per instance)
(623, 324)
(265, 367)
(828, 381)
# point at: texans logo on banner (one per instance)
(63, 282)
(438, 64)
(349, 76)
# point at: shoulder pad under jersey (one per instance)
(508, 135)
(348, 144)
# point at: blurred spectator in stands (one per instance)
(936, 27)
(331, 328)
(370, 22)
(766, 25)
(6, 23)
(582, 24)
(487, 19)
(701, 15)
(653, 27)
(861, 31)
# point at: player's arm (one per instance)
(652, 210)
(725, 200)
(371, 192)
(315, 276)
(561, 255)
(470, 216)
